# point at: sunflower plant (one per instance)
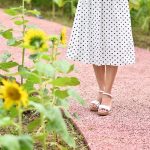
(53, 88)
(14, 99)
(43, 92)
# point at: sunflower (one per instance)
(63, 36)
(36, 40)
(13, 94)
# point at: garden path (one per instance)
(128, 126)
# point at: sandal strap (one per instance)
(101, 91)
(105, 93)
(104, 107)
(96, 102)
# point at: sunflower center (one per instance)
(37, 42)
(13, 93)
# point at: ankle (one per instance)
(101, 90)
(106, 99)
(107, 95)
(107, 91)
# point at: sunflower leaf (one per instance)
(5, 56)
(13, 42)
(55, 122)
(31, 77)
(7, 65)
(23, 142)
(32, 125)
(61, 93)
(75, 95)
(6, 121)
(45, 69)
(20, 22)
(66, 81)
(63, 66)
(11, 12)
(8, 34)
(33, 12)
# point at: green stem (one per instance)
(52, 52)
(55, 52)
(20, 121)
(23, 32)
(53, 95)
(53, 87)
(44, 131)
(43, 117)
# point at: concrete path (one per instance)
(128, 126)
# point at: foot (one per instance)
(106, 103)
(95, 104)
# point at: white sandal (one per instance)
(94, 105)
(104, 107)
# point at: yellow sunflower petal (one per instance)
(36, 40)
(8, 104)
(13, 94)
(63, 36)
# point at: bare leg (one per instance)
(111, 72)
(110, 75)
(100, 77)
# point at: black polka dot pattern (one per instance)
(101, 33)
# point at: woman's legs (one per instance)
(111, 72)
(100, 74)
(105, 76)
(110, 75)
(100, 77)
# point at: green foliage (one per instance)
(12, 142)
(65, 81)
(140, 11)
(7, 34)
(7, 65)
(5, 56)
(48, 85)
(63, 66)
(67, 6)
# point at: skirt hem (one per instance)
(93, 63)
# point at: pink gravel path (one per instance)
(128, 126)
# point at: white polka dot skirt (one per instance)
(102, 33)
